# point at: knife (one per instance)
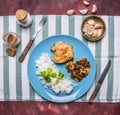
(100, 81)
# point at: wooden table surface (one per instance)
(105, 7)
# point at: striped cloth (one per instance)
(14, 84)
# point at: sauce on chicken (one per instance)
(62, 52)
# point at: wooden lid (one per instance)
(11, 51)
(21, 14)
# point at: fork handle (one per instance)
(25, 51)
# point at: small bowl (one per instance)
(14, 42)
(93, 32)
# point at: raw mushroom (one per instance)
(84, 11)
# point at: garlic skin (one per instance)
(86, 3)
(83, 11)
(71, 12)
(94, 9)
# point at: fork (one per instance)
(28, 46)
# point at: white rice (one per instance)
(63, 86)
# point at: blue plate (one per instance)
(80, 50)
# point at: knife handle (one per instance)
(25, 51)
(94, 93)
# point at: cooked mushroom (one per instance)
(78, 69)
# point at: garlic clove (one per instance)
(98, 26)
(91, 22)
(71, 12)
(83, 11)
(86, 3)
(94, 9)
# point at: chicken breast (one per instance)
(62, 52)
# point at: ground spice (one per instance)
(10, 38)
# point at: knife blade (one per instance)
(100, 81)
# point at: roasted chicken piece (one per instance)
(62, 52)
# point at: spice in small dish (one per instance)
(11, 39)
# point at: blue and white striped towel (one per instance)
(14, 84)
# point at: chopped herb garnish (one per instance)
(48, 79)
(54, 74)
(49, 70)
(43, 73)
(49, 73)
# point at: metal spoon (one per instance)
(39, 28)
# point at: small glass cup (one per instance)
(11, 39)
